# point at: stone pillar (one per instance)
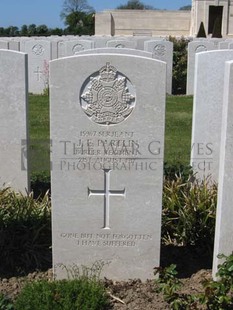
(104, 24)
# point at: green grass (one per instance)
(177, 132)
(178, 129)
(39, 117)
(39, 133)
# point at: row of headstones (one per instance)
(107, 131)
(41, 51)
(202, 45)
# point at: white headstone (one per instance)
(101, 41)
(207, 112)
(13, 120)
(121, 44)
(57, 44)
(14, 45)
(224, 218)
(61, 49)
(107, 128)
(230, 45)
(162, 50)
(22, 43)
(75, 46)
(216, 41)
(117, 51)
(39, 55)
(141, 40)
(223, 45)
(4, 45)
(194, 48)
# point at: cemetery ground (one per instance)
(185, 235)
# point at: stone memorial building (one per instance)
(211, 12)
(163, 22)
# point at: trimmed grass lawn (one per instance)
(178, 129)
(39, 133)
(177, 132)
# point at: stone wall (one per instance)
(139, 22)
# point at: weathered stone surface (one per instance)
(121, 44)
(4, 45)
(107, 128)
(207, 112)
(143, 22)
(224, 227)
(74, 46)
(13, 120)
(162, 50)
(39, 55)
(114, 50)
(194, 48)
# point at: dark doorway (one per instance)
(215, 17)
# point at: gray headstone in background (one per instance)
(101, 41)
(107, 128)
(194, 48)
(75, 46)
(39, 55)
(57, 43)
(224, 217)
(223, 45)
(22, 41)
(116, 51)
(207, 112)
(141, 40)
(121, 44)
(13, 120)
(4, 45)
(61, 49)
(230, 45)
(162, 50)
(216, 42)
(14, 45)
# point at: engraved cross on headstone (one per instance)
(107, 193)
(38, 73)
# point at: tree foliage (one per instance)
(74, 6)
(186, 8)
(179, 74)
(29, 30)
(79, 23)
(135, 5)
(78, 17)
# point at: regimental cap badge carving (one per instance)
(159, 50)
(108, 73)
(120, 45)
(200, 48)
(77, 48)
(109, 97)
(38, 49)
